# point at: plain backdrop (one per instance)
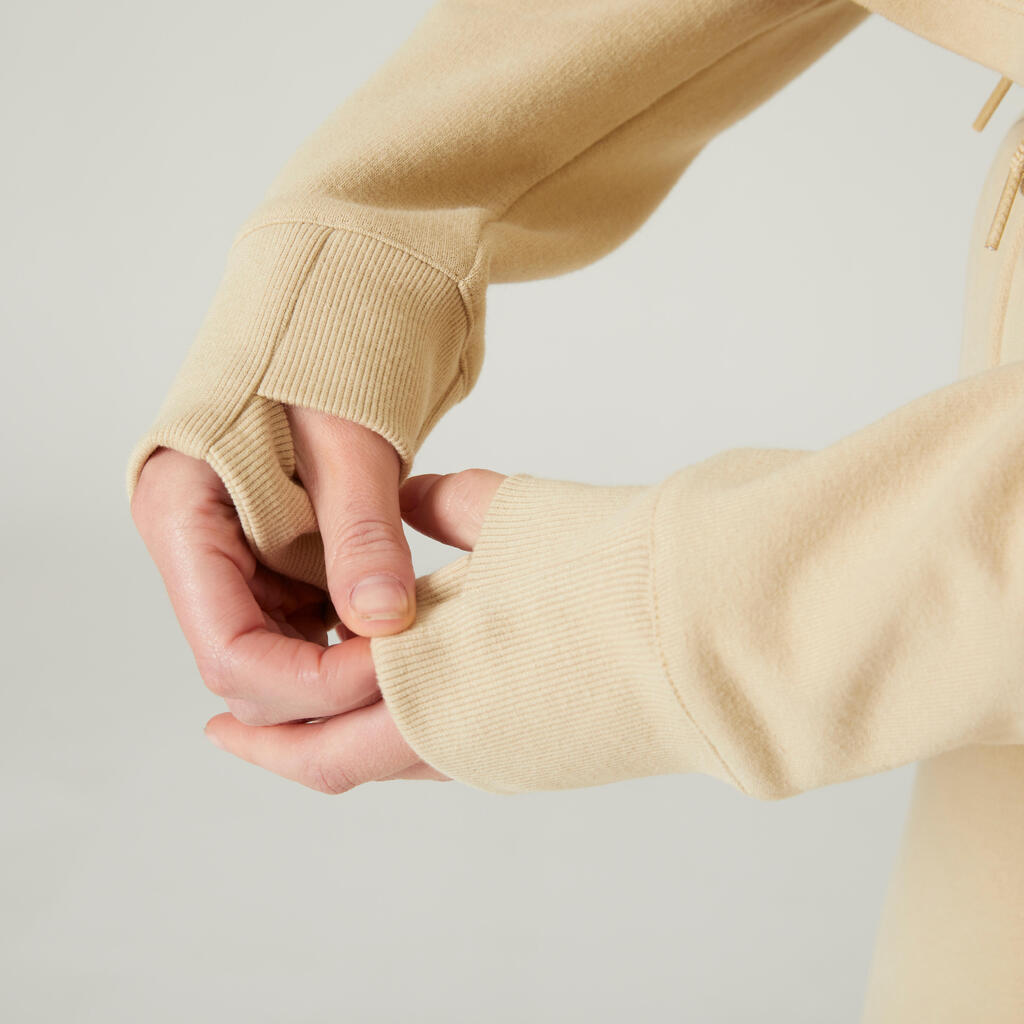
(802, 279)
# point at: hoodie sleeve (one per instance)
(777, 619)
(505, 140)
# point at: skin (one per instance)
(297, 706)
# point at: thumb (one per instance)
(449, 508)
(351, 475)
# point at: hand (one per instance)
(260, 639)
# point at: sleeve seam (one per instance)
(766, 31)
(324, 222)
(659, 649)
(460, 282)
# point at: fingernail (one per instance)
(379, 597)
(213, 738)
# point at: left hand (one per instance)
(363, 744)
(297, 706)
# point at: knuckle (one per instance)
(249, 713)
(327, 777)
(143, 510)
(217, 675)
(365, 537)
(461, 487)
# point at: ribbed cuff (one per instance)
(327, 318)
(533, 662)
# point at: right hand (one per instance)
(351, 476)
(340, 752)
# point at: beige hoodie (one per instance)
(778, 619)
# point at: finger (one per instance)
(274, 678)
(294, 608)
(351, 476)
(192, 532)
(277, 593)
(333, 756)
(310, 627)
(411, 493)
(450, 508)
(198, 546)
(181, 504)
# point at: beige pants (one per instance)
(951, 942)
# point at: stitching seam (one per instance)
(459, 282)
(256, 382)
(340, 225)
(663, 661)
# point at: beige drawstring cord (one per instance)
(996, 97)
(1014, 176)
(1014, 180)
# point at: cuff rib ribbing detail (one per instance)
(532, 663)
(321, 317)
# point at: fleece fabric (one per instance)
(778, 619)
